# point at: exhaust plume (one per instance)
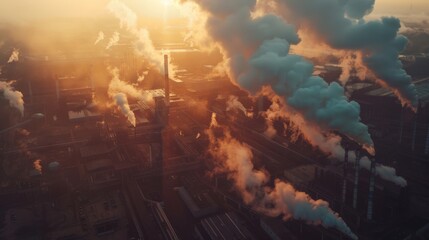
(257, 50)
(328, 143)
(14, 57)
(143, 44)
(121, 101)
(341, 25)
(235, 159)
(119, 90)
(233, 104)
(100, 38)
(114, 40)
(14, 97)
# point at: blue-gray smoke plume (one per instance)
(340, 24)
(258, 53)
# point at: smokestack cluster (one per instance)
(257, 51)
(166, 81)
(235, 159)
(326, 142)
(341, 25)
(14, 97)
(14, 57)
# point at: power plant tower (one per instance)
(166, 82)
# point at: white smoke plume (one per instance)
(257, 50)
(100, 37)
(341, 25)
(120, 91)
(114, 40)
(328, 143)
(16, 98)
(14, 57)
(233, 104)
(143, 44)
(235, 159)
(38, 165)
(121, 101)
(142, 77)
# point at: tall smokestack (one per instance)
(346, 162)
(57, 89)
(167, 82)
(371, 190)
(356, 183)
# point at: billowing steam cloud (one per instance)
(15, 97)
(100, 38)
(233, 104)
(14, 57)
(341, 25)
(121, 101)
(235, 159)
(119, 91)
(326, 142)
(257, 49)
(143, 43)
(114, 40)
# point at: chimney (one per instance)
(371, 190)
(167, 82)
(356, 183)
(346, 162)
(57, 89)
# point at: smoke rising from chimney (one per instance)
(114, 40)
(14, 57)
(235, 159)
(233, 104)
(14, 97)
(341, 25)
(257, 49)
(100, 37)
(328, 143)
(119, 92)
(142, 44)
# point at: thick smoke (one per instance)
(235, 159)
(100, 38)
(258, 52)
(15, 97)
(143, 44)
(114, 40)
(14, 57)
(326, 142)
(119, 91)
(121, 101)
(341, 25)
(233, 104)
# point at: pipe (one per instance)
(356, 183)
(371, 191)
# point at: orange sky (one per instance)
(23, 10)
